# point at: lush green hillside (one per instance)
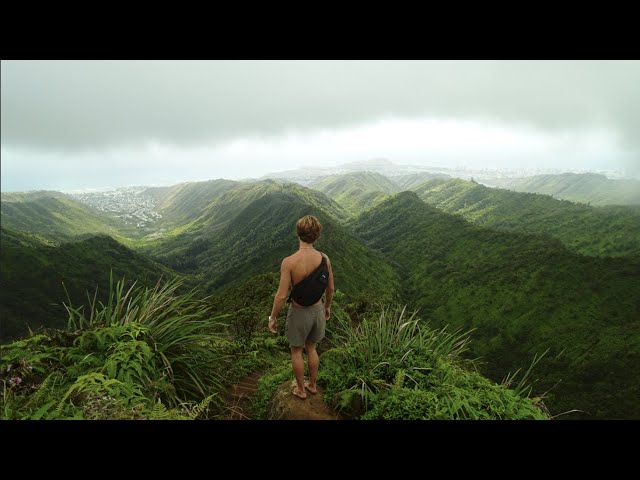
(524, 294)
(227, 203)
(243, 239)
(31, 274)
(411, 180)
(243, 231)
(180, 243)
(596, 231)
(185, 202)
(584, 187)
(55, 216)
(356, 191)
(30, 196)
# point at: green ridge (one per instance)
(31, 274)
(56, 216)
(261, 234)
(356, 191)
(583, 187)
(595, 231)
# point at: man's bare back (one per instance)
(302, 263)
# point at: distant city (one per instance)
(131, 204)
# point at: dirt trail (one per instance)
(240, 395)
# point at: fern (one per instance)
(45, 389)
(96, 384)
(198, 409)
(159, 412)
(41, 412)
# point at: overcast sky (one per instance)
(81, 124)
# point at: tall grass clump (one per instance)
(394, 365)
(144, 353)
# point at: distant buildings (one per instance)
(130, 204)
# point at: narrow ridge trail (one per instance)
(285, 405)
(240, 395)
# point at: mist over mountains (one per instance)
(383, 166)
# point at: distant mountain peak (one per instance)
(374, 162)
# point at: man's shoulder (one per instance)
(288, 261)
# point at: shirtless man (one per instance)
(305, 325)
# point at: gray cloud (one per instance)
(71, 107)
(87, 104)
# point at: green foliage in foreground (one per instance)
(149, 353)
(146, 353)
(397, 367)
(279, 373)
(142, 353)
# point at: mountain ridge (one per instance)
(595, 231)
(32, 273)
(590, 188)
(523, 294)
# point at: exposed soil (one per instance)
(239, 397)
(284, 406)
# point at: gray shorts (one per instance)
(305, 324)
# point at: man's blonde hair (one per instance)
(308, 228)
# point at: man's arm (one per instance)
(281, 294)
(328, 292)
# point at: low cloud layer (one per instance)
(73, 107)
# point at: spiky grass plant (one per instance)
(396, 366)
(377, 351)
(394, 333)
(177, 328)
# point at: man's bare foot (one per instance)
(302, 395)
(311, 389)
